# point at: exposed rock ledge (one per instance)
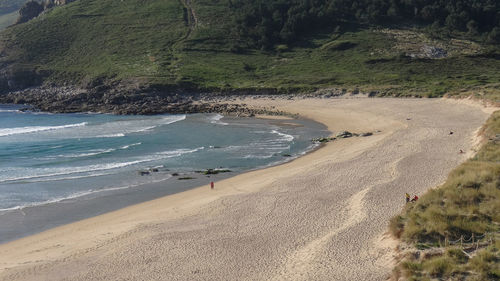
(124, 99)
(32, 9)
(70, 99)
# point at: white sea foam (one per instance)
(172, 119)
(119, 135)
(284, 137)
(73, 170)
(110, 129)
(86, 154)
(130, 145)
(215, 119)
(9, 110)
(177, 152)
(34, 129)
(77, 195)
(253, 156)
(92, 152)
(44, 173)
(121, 128)
(145, 129)
(92, 175)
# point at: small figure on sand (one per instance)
(461, 151)
(407, 197)
(211, 185)
(414, 199)
(451, 132)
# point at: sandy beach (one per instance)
(323, 216)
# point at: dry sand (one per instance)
(320, 217)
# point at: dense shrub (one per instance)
(265, 23)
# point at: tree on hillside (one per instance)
(265, 23)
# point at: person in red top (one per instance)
(415, 198)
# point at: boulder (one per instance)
(433, 52)
(29, 11)
(143, 173)
(32, 9)
(344, 134)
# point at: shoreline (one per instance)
(24, 221)
(193, 203)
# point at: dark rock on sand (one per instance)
(344, 134)
(213, 171)
(29, 11)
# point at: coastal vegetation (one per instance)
(453, 231)
(267, 23)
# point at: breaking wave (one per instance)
(34, 129)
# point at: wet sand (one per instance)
(320, 217)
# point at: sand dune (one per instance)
(320, 217)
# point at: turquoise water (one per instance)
(46, 158)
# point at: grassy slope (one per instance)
(467, 203)
(151, 41)
(89, 39)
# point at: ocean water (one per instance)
(47, 158)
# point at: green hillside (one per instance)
(204, 45)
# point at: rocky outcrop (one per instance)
(14, 79)
(32, 9)
(63, 2)
(51, 3)
(137, 96)
(29, 11)
(344, 134)
(120, 101)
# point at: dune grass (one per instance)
(467, 203)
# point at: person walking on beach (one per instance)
(415, 198)
(407, 197)
(211, 185)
